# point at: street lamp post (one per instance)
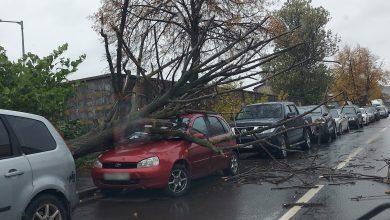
(21, 26)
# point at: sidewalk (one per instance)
(84, 184)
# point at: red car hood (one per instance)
(135, 152)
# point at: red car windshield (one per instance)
(178, 123)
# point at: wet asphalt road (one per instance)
(360, 151)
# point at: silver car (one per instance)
(37, 170)
(341, 121)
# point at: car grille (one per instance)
(239, 130)
(120, 165)
(120, 182)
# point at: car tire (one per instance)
(340, 129)
(233, 168)
(307, 144)
(178, 181)
(281, 153)
(326, 136)
(46, 206)
(334, 133)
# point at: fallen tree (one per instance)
(188, 48)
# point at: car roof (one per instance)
(21, 114)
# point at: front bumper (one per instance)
(257, 147)
(139, 178)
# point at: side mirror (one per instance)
(358, 112)
(291, 115)
(199, 135)
(325, 114)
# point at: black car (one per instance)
(259, 116)
(372, 109)
(326, 128)
(355, 118)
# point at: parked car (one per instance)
(355, 118)
(341, 121)
(38, 172)
(365, 116)
(308, 120)
(371, 114)
(326, 129)
(262, 115)
(383, 112)
(168, 163)
(375, 112)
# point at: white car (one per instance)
(366, 118)
(341, 121)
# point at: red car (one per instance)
(168, 163)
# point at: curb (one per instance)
(86, 193)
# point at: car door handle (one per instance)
(14, 172)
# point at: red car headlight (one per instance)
(149, 162)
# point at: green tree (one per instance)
(311, 79)
(38, 84)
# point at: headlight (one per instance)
(97, 164)
(148, 162)
(268, 131)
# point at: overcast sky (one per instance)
(50, 23)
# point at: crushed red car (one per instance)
(169, 163)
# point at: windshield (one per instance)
(334, 113)
(178, 123)
(369, 110)
(261, 111)
(349, 111)
(304, 109)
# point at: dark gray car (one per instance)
(355, 118)
(37, 170)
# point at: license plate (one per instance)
(116, 176)
(249, 147)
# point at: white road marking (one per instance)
(311, 193)
(349, 158)
(304, 199)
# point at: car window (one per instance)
(225, 125)
(260, 111)
(199, 125)
(33, 135)
(216, 127)
(293, 109)
(5, 146)
(349, 111)
(334, 113)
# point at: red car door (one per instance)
(199, 156)
(218, 129)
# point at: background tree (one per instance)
(360, 74)
(38, 84)
(311, 79)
